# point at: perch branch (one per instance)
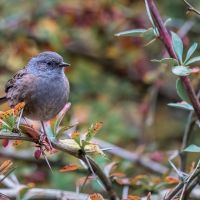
(76, 153)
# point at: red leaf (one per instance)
(37, 154)
(5, 142)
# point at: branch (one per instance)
(166, 39)
(38, 193)
(133, 157)
(76, 153)
(191, 8)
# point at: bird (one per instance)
(41, 85)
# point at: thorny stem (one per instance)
(166, 39)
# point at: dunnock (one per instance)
(42, 85)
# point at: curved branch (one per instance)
(76, 153)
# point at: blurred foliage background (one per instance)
(112, 79)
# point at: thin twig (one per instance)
(186, 137)
(191, 8)
(134, 157)
(43, 193)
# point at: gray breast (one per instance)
(48, 99)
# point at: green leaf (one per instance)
(192, 148)
(182, 105)
(167, 21)
(181, 91)
(193, 60)
(177, 46)
(134, 32)
(181, 70)
(149, 34)
(22, 193)
(191, 51)
(167, 61)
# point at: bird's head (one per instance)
(46, 62)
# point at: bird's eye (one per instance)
(49, 63)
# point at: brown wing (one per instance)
(19, 87)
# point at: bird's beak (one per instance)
(64, 64)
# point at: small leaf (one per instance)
(149, 34)
(134, 197)
(22, 193)
(70, 143)
(192, 148)
(134, 32)
(17, 143)
(177, 46)
(93, 148)
(167, 21)
(67, 168)
(182, 105)
(93, 130)
(181, 91)
(167, 61)
(118, 174)
(193, 60)
(5, 142)
(171, 180)
(5, 166)
(30, 131)
(96, 196)
(37, 154)
(181, 70)
(191, 51)
(76, 137)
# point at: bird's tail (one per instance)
(3, 100)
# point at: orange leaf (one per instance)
(67, 168)
(5, 166)
(118, 174)
(98, 126)
(96, 196)
(75, 135)
(18, 108)
(17, 142)
(13, 111)
(171, 180)
(134, 197)
(30, 131)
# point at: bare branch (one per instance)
(191, 8)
